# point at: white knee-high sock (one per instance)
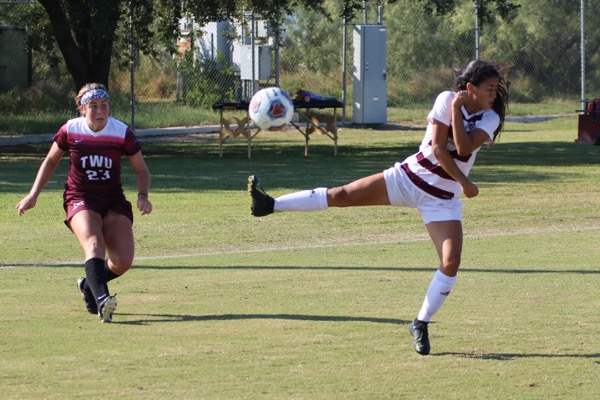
(305, 200)
(437, 293)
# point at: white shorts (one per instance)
(403, 193)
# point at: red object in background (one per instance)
(589, 128)
(594, 105)
(588, 131)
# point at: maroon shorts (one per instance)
(100, 203)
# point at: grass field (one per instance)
(221, 305)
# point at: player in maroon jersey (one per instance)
(95, 205)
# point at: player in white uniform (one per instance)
(431, 180)
(96, 208)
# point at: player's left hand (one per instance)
(470, 189)
(144, 205)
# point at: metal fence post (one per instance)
(132, 66)
(477, 29)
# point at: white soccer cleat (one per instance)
(106, 309)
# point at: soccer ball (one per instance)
(271, 108)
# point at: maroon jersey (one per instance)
(95, 156)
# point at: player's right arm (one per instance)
(439, 147)
(44, 173)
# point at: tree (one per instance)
(505, 9)
(543, 46)
(90, 32)
(85, 35)
(86, 31)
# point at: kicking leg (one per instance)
(368, 191)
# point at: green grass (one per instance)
(221, 305)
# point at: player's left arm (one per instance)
(142, 175)
(439, 146)
(474, 140)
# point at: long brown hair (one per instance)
(478, 71)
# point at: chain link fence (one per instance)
(229, 60)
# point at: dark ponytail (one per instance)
(476, 72)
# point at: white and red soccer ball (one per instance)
(271, 108)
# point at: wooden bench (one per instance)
(309, 122)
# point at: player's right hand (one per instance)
(25, 204)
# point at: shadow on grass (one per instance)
(389, 269)
(155, 318)
(514, 356)
(41, 265)
(464, 270)
(196, 166)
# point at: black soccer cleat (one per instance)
(262, 203)
(106, 308)
(88, 297)
(418, 330)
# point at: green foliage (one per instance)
(310, 43)
(40, 36)
(324, 84)
(43, 97)
(505, 9)
(543, 44)
(154, 77)
(89, 34)
(538, 48)
(206, 81)
(537, 43)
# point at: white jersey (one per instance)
(423, 168)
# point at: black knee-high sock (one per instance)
(110, 275)
(95, 275)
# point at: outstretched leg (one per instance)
(368, 191)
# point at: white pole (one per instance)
(582, 50)
(252, 48)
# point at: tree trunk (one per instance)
(85, 32)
